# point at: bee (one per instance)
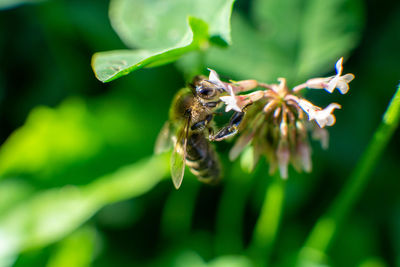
(190, 129)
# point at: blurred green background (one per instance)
(79, 185)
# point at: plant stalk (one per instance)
(326, 227)
(267, 225)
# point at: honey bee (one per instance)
(190, 120)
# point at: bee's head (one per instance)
(208, 91)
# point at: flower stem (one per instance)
(267, 224)
(229, 228)
(326, 227)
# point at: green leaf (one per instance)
(50, 215)
(76, 141)
(4, 4)
(162, 31)
(295, 39)
(158, 24)
(330, 30)
(13, 192)
(75, 250)
(191, 258)
(50, 138)
(114, 64)
(232, 261)
(251, 55)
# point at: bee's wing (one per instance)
(178, 158)
(164, 139)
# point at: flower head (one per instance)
(276, 122)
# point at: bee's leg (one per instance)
(212, 104)
(230, 129)
(201, 124)
(210, 133)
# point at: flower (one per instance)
(239, 102)
(322, 117)
(275, 122)
(214, 78)
(330, 83)
(231, 101)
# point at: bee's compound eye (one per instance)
(206, 92)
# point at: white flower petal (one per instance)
(230, 101)
(214, 78)
(332, 84)
(308, 108)
(343, 87)
(339, 67)
(347, 77)
(330, 120)
(325, 117)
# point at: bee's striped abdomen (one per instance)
(202, 159)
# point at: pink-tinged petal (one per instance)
(283, 127)
(254, 96)
(270, 106)
(272, 161)
(245, 85)
(316, 83)
(272, 167)
(240, 144)
(321, 135)
(301, 129)
(239, 102)
(283, 156)
(304, 152)
(256, 154)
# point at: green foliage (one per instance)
(12, 3)
(78, 184)
(75, 250)
(51, 214)
(161, 32)
(292, 39)
(323, 232)
(50, 138)
(192, 259)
